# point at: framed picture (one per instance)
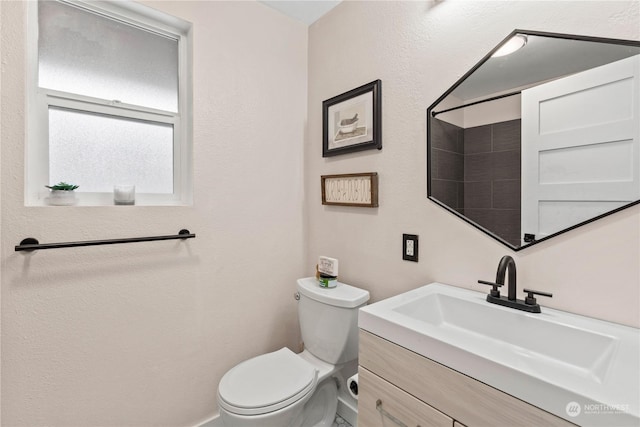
(352, 121)
(351, 189)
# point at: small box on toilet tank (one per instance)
(328, 272)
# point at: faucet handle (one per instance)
(494, 291)
(530, 299)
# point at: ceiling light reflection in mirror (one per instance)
(515, 43)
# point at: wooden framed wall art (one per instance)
(352, 189)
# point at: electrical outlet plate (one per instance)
(410, 247)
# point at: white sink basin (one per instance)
(552, 360)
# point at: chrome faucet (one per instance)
(508, 265)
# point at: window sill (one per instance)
(106, 200)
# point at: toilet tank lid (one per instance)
(342, 295)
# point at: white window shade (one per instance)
(89, 54)
(99, 152)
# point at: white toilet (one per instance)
(284, 389)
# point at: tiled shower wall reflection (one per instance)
(447, 164)
(476, 171)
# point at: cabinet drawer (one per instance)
(468, 401)
(381, 404)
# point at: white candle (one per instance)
(124, 194)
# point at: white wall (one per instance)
(1, 103)
(418, 50)
(140, 334)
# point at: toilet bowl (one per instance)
(284, 389)
(268, 390)
(279, 389)
(320, 410)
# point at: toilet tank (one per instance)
(329, 319)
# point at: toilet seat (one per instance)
(266, 383)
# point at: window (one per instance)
(108, 102)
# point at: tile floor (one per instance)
(339, 422)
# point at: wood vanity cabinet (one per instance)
(398, 386)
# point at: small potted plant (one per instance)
(62, 194)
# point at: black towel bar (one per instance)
(31, 244)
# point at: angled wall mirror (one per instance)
(540, 140)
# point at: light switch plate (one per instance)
(410, 247)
